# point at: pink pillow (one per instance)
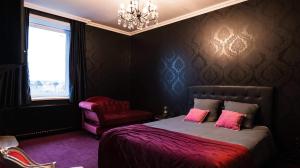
(230, 119)
(196, 115)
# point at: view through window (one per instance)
(48, 58)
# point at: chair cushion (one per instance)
(126, 117)
(16, 157)
(115, 106)
(20, 157)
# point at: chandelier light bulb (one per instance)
(122, 6)
(145, 10)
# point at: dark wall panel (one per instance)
(108, 63)
(252, 43)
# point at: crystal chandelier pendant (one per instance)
(131, 17)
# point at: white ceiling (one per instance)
(104, 12)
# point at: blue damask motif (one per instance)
(173, 74)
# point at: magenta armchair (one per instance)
(102, 113)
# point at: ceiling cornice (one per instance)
(74, 17)
(101, 26)
(190, 15)
(55, 12)
(164, 23)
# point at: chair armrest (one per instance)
(87, 105)
(97, 108)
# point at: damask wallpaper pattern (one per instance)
(253, 43)
(172, 71)
(108, 63)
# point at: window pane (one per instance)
(48, 62)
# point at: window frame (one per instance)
(39, 100)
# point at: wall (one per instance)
(253, 43)
(108, 63)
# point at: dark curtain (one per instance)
(25, 89)
(77, 62)
(14, 79)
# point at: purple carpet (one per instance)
(72, 149)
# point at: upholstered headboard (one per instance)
(263, 96)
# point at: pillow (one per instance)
(209, 104)
(230, 119)
(196, 115)
(248, 109)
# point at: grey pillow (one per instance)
(248, 109)
(208, 104)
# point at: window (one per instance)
(48, 58)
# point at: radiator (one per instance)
(44, 132)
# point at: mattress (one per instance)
(258, 139)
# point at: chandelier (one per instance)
(132, 16)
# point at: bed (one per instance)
(174, 142)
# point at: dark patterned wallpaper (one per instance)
(253, 43)
(108, 63)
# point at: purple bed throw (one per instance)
(140, 146)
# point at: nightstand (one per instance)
(162, 116)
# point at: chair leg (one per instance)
(100, 131)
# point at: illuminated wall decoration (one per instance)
(227, 42)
